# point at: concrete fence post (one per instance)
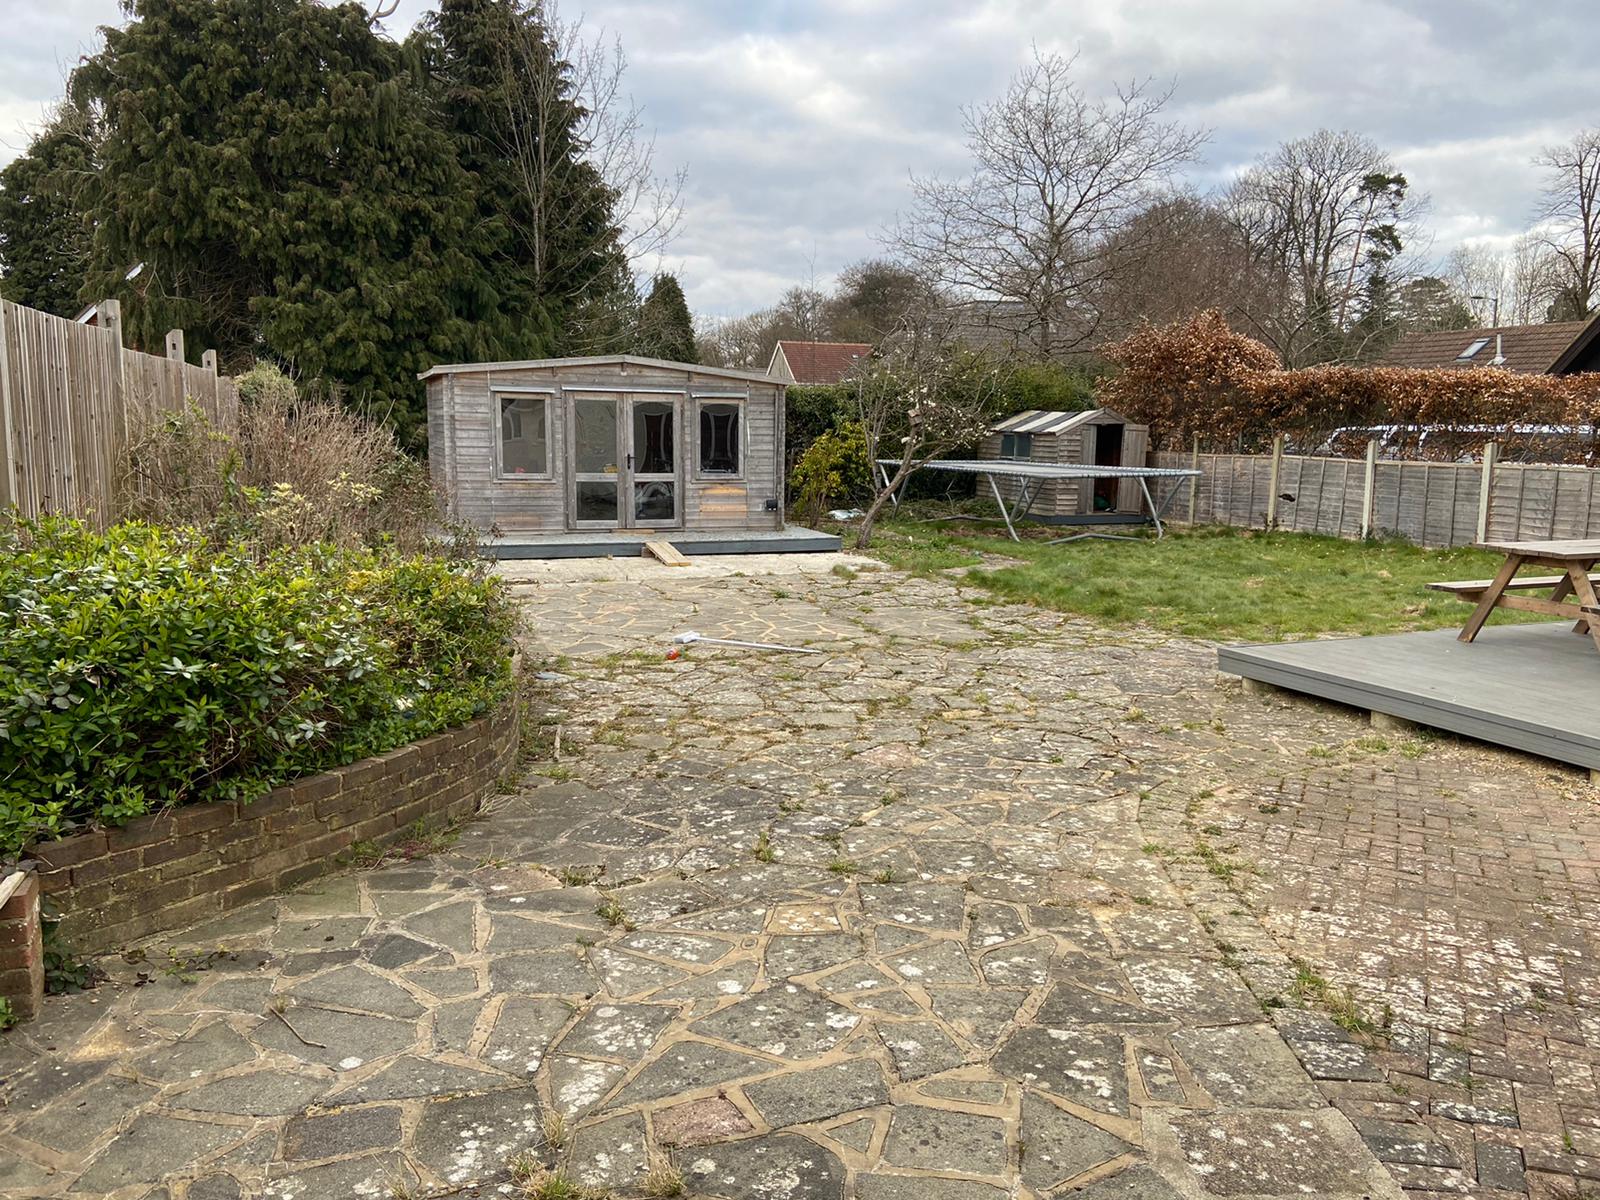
(1272, 486)
(1369, 488)
(175, 345)
(1491, 456)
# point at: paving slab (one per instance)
(937, 1139)
(801, 1096)
(962, 945)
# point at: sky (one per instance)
(799, 124)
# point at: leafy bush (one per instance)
(298, 469)
(141, 668)
(834, 472)
(811, 410)
(1047, 386)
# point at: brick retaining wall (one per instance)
(115, 886)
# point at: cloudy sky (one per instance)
(799, 122)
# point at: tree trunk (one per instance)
(864, 534)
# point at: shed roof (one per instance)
(1528, 349)
(620, 360)
(821, 362)
(1037, 420)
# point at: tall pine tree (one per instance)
(665, 328)
(44, 230)
(280, 171)
(508, 102)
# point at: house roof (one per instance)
(1527, 349)
(601, 360)
(1040, 421)
(820, 362)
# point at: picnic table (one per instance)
(1571, 593)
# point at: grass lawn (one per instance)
(1226, 584)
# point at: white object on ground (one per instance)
(690, 637)
(846, 514)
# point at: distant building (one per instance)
(816, 362)
(1557, 348)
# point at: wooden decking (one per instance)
(793, 539)
(1534, 688)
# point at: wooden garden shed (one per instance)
(1095, 437)
(613, 445)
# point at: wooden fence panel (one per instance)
(1432, 504)
(70, 397)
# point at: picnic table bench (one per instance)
(1572, 592)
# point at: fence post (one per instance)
(1272, 485)
(1491, 456)
(1194, 480)
(175, 345)
(8, 446)
(110, 312)
(1369, 488)
(208, 360)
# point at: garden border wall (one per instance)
(183, 865)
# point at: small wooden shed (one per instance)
(1095, 437)
(614, 443)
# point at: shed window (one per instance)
(1016, 445)
(719, 438)
(524, 444)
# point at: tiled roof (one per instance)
(1530, 349)
(823, 362)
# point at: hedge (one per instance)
(1198, 377)
(142, 668)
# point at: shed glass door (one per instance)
(595, 500)
(654, 494)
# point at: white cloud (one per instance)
(800, 123)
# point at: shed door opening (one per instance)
(596, 465)
(625, 462)
(653, 462)
(1107, 453)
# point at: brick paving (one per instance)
(982, 902)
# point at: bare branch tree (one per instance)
(1055, 178)
(1524, 280)
(593, 210)
(648, 208)
(920, 398)
(1570, 220)
(1322, 210)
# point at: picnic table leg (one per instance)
(998, 499)
(1565, 589)
(1491, 597)
(1579, 575)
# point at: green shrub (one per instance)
(813, 409)
(141, 668)
(833, 472)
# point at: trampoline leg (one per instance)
(1000, 500)
(1155, 513)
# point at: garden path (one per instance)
(981, 902)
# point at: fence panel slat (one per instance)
(71, 396)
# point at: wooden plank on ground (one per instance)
(666, 552)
